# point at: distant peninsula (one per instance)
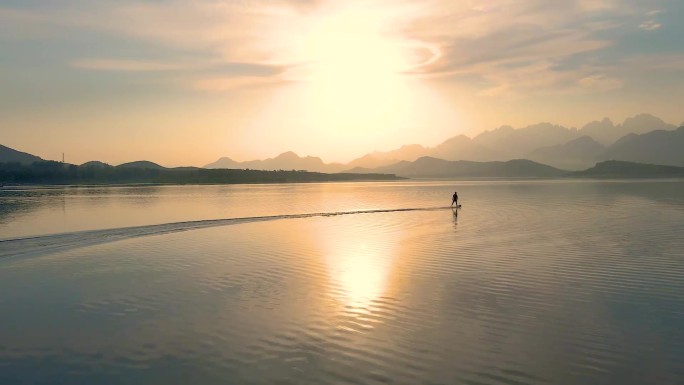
(620, 169)
(144, 172)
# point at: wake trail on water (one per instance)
(31, 246)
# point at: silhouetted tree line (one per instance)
(50, 172)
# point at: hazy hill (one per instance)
(224, 162)
(603, 131)
(406, 152)
(94, 164)
(607, 133)
(8, 155)
(576, 154)
(289, 161)
(370, 161)
(462, 148)
(509, 143)
(142, 164)
(620, 169)
(643, 123)
(285, 161)
(375, 159)
(656, 147)
(428, 167)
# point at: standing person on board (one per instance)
(454, 199)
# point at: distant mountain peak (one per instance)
(606, 123)
(643, 119)
(424, 159)
(288, 160)
(458, 138)
(575, 154)
(287, 154)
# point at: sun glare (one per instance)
(361, 276)
(355, 81)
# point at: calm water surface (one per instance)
(531, 282)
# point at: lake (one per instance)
(530, 282)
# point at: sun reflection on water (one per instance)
(360, 275)
(359, 271)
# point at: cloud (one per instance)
(545, 78)
(511, 46)
(650, 25)
(517, 47)
(600, 82)
(224, 84)
(124, 65)
(201, 76)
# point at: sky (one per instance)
(182, 82)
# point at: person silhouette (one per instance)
(454, 199)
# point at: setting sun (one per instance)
(354, 75)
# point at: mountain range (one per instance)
(642, 138)
(540, 150)
(94, 172)
(285, 161)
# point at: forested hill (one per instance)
(49, 172)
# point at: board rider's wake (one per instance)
(65, 241)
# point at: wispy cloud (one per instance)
(227, 39)
(124, 65)
(650, 25)
(522, 46)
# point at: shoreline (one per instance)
(19, 186)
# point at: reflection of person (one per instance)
(454, 199)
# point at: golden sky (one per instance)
(184, 82)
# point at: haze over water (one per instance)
(531, 282)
